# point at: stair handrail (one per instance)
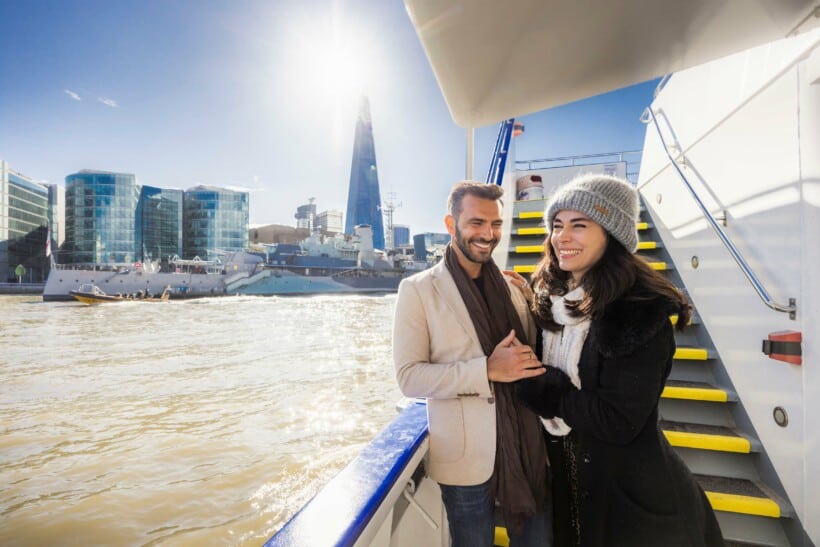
(495, 174)
(761, 291)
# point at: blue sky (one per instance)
(258, 95)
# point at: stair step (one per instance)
(705, 437)
(695, 391)
(523, 249)
(739, 496)
(539, 215)
(527, 249)
(531, 231)
(529, 268)
(692, 320)
(692, 354)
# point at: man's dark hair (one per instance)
(482, 190)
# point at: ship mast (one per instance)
(391, 203)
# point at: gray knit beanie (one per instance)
(609, 201)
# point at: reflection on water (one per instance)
(199, 422)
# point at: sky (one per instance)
(258, 95)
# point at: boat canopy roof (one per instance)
(498, 60)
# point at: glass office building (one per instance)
(401, 235)
(215, 220)
(428, 242)
(24, 213)
(100, 217)
(158, 231)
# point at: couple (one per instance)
(571, 451)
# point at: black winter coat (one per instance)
(615, 476)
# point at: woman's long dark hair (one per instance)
(611, 277)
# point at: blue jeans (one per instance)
(471, 516)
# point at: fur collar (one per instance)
(628, 323)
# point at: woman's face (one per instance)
(578, 242)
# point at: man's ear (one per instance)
(450, 223)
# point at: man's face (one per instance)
(475, 232)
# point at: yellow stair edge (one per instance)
(747, 505)
(695, 394)
(530, 215)
(529, 268)
(691, 354)
(528, 249)
(704, 441)
(501, 538)
(674, 319)
(535, 231)
(642, 246)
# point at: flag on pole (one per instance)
(48, 242)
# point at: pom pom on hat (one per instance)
(609, 201)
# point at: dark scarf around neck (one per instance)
(520, 474)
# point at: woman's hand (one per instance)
(520, 282)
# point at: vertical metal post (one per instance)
(470, 153)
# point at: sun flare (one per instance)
(332, 65)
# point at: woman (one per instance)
(607, 344)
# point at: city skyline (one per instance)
(245, 97)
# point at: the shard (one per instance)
(363, 197)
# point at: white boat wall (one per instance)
(743, 132)
(192, 278)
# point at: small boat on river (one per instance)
(92, 294)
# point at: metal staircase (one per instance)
(701, 415)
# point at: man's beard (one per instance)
(463, 245)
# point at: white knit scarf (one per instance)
(562, 349)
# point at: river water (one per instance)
(195, 422)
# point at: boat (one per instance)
(731, 207)
(188, 278)
(92, 294)
(322, 264)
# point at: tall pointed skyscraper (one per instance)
(363, 197)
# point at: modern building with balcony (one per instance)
(214, 220)
(100, 217)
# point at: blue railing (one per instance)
(341, 511)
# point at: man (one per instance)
(460, 337)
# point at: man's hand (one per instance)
(521, 283)
(511, 361)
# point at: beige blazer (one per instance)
(438, 356)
